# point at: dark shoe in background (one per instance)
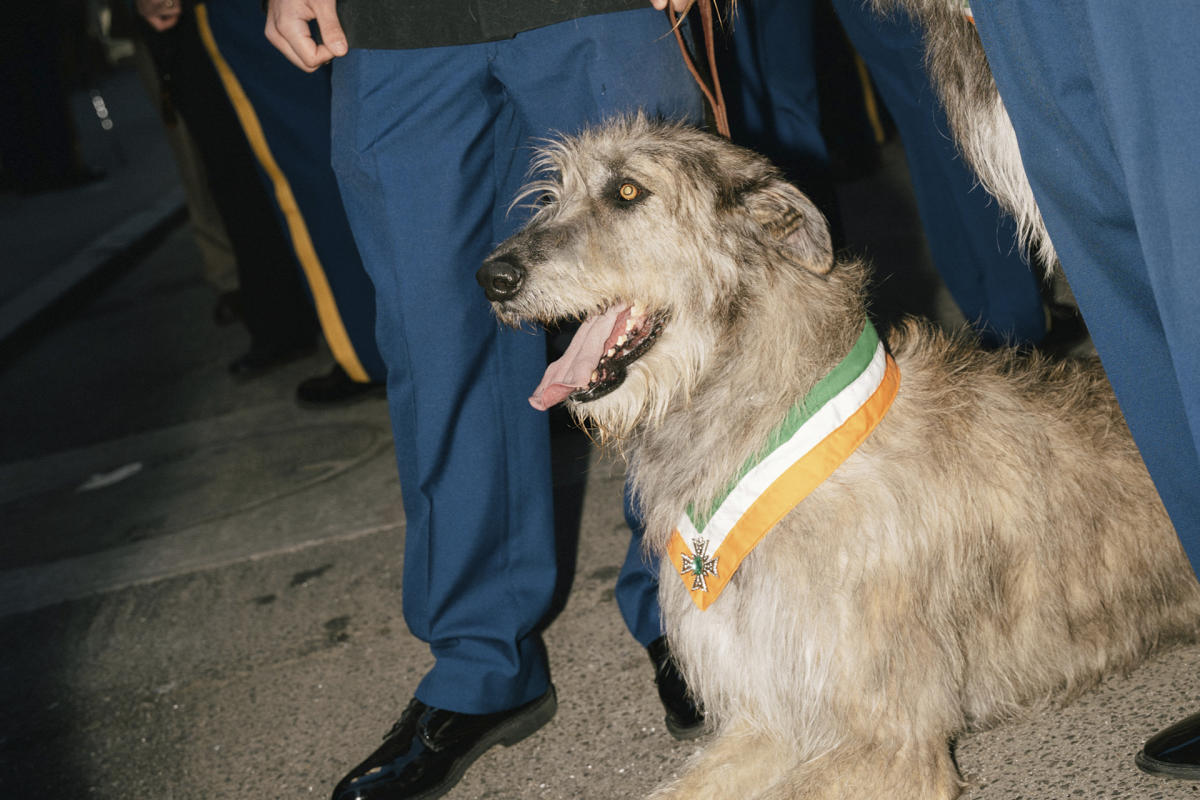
(262, 359)
(228, 309)
(76, 177)
(1173, 752)
(685, 719)
(1065, 330)
(335, 388)
(428, 750)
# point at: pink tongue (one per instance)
(574, 370)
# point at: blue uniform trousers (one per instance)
(769, 78)
(972, 241)
(285, 113)
(430, 146)
(776, 111)
(1104, 100)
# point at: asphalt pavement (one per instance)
(200, 581)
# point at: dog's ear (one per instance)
(785, 213)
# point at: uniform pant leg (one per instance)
(276, 309)
(637, 582)
(286, 114)
(769, 79)
(1147, 66)
(430, 146)
(560, 79)
(417, 140)
(1112, 164)
(972, 241)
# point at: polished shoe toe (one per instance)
(335, 388)
(429, 749)
(685, 717)
(228, 308)
(260, 360)
(1173, 752)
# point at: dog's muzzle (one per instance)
(501, 278)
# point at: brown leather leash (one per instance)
(712, 93)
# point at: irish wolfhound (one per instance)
(993, 541)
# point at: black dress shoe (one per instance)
(1173, 752)
(335, 388)
(260, 360)
(685, 719)
(427, 751)
(228, 308)
(1065, 330)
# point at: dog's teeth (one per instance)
(621, 340)
(630, 324)
(595, 375)
(612, 351)
(636, 312)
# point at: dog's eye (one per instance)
(625, 194)
(628, 191)
(547, 199)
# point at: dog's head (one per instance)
(655, 236)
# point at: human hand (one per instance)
(679, 6)
(287, 29)
(161, 14)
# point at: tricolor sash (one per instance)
(818, 434)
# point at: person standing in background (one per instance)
(436, 111)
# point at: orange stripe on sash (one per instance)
(786, 492)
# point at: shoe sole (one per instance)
(374, 393)
(507, 734)
(1164, 769)
(289, 357)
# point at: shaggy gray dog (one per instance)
(992, 542)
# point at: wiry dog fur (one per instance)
(978, 120)
(994, 542)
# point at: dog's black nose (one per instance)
(501, 279)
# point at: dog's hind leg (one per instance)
(745, 765)
(737, 764)
(871, 772)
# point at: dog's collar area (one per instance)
(819, 433)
